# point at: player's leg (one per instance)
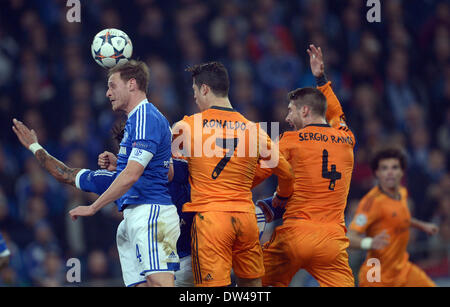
(418, 278)
(184, 277)
(284, 256)
(160, 279)
(248, 264)
(130, 270)
(329, 264)
(154, 230)
(212, 242)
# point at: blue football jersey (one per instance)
(148, 130)
(180, 192)
(95, 181)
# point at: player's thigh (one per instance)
(212, 241)
(128, 261)
(331, 268)
(418, 278)
(247, 252)
(184, 276)
(280, 262)
(154, 231)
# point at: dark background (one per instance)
(392, 78)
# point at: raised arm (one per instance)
(56, 168)
(335, 114)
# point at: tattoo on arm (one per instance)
(56, 168)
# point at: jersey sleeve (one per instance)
(145, 131)
(181, 139)
(335, 115)
(94, 181)
(366, 214)
(274, 162)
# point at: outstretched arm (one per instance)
(428, 228)
(117, 189)
(379, 241)
(56, 168)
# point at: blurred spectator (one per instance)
(98, 269)
(52, 272)
(37, 252)
(392, 78)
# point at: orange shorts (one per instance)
(318, 248)
(222, 241)
(411, 276)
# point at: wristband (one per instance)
(35, 147)
(322, 80)
(280, 197)
(366, 243)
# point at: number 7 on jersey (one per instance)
(231, 146)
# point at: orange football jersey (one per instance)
(321, 156)
(223, 148)
(377, 212)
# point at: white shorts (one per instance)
(184, 277)
(146, 241)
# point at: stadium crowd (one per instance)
(392, 78)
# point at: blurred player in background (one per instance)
(147, 246)
(4, 253)
(224, 231)
(320, 151)
(383, 216)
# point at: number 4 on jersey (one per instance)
(333, 175)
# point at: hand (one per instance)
(430, 228)
(25, 136)
(277, 202)
(108, 161)
(380, 241)
(81, 211)
(316, 60)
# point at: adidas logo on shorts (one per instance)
(172, 255)
(209, 277)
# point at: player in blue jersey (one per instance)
(4, 253)
(146, 238)
(98, 181)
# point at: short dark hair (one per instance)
(214, 75)
(133, 69)
(388, 153)
(311, 97)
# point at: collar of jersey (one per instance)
(399, 194)
(317, 125)
(136, 107)
(223, 108)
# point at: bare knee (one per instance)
(160, 280)
(248, 282)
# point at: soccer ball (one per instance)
(111, 47)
